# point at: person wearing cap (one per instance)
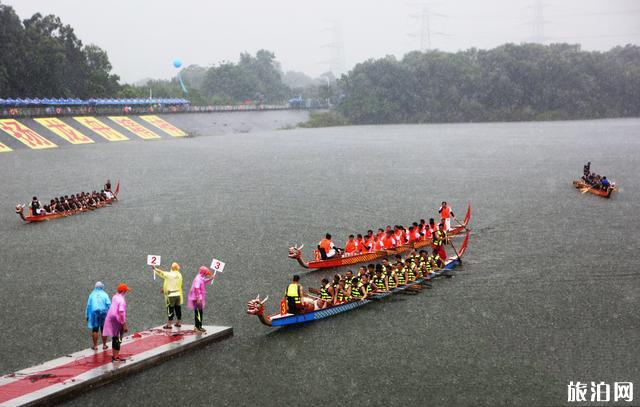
(172, 290)
(115, 324)
(97, 306)
(198, 296)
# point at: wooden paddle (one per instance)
(455, 251)
(585, 190)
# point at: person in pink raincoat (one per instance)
(198, 296)
(115, 324)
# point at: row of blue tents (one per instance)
(91, 102)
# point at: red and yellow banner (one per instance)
(24, 134)
(163, 125)
(4, 148)
(63, 130)
(100, 128)
(134, 127)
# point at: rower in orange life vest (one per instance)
(388, 241)
(445, 215)
(351, 247)
(440, 238)
(327, 248)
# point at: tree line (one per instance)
(510, 82)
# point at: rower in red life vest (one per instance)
(368, 242)
(445, 215)
(327, 248)
(361, 247)
(351, 247)
(440, 238)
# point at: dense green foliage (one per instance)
(325, 119)
(41, 57)
(511, 82)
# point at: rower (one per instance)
(36, 207)
(351, 246)
(605, 183)
(326, 295)
(439, 240)
(327, 248)
(445, 215)
(336, 287)
(380, 280)
(401, 274)
(388, 241)
(361, 247)
(411, 270)
(294, 294)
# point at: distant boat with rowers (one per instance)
(348, 260)
(30, 217)
(256, 306)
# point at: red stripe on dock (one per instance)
(45, 378)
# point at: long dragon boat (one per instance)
(584, 188)
(41, 218)
(256, 306)
(348, 260)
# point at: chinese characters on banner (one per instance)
(100, 128)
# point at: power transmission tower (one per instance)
(538, 22)
(425, 31)
(337, 60)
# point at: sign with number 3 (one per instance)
(217, 266)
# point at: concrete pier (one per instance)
(66, 376)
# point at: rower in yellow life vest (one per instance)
(445, 215)
(294, 295)
(440, 239)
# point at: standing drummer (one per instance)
(445, 215)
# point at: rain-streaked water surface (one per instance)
(548, 293)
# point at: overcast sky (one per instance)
(142, 37)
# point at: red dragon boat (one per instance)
(584, 188)
(346, 260)
(256, 306)
(41, 218)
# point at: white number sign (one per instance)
(217, 266)
(153, 260)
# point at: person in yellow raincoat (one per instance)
(172, 290)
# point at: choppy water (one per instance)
(549, 291)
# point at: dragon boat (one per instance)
(348, 260)
(256, 306)
(584, 187)
(41, 218)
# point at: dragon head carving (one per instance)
(256, 306)
(295, 252)
(19, 208)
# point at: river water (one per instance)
(548, 294)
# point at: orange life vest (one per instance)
(388, 242)
(325, 244)
(350, 247)
(445, 213)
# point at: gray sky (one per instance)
(142, 37)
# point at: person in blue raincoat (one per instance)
(97, 306)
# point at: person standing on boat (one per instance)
(35, 206)
(586, 170)
(172, 290)
(440, 238)
(198, 296)
(115, 324)
(294, 295)
(97, 307)
(327, 248)
(445, 215)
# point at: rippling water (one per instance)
(548, 293)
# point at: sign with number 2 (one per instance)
(153, 260)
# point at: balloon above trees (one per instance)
(177, 63)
